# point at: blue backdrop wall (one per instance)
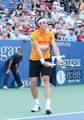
(74, 60)
(9, 47)
(74, 56)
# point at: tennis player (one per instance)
(40, 62)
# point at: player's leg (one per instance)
(46, 72)
(34, 72)
(47, 89)
(34, 92)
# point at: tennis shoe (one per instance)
(5, 87)
(36, 108)
(22, 87)
(48, 111)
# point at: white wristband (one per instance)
(58, 57)
(42, 60)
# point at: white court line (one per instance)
(45, 116)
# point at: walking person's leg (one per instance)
(46, 73)
(34, 92)
(16, 76)
(47, 90)
(5, 77)
(34, 72)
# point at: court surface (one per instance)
(67, 104)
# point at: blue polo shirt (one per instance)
(15, 58)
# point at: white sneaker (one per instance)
(48, 110)
(36, 108)
(22, 87)
(5, 87)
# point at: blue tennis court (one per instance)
(65, 116)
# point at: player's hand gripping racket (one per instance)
(59, 59)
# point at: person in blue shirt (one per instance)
(12, 64)
(71, 37)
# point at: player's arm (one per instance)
(36, 46)
(56, 50)
(55, 47)
(38, 50)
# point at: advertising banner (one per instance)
(73, 73)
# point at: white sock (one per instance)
(48, 104)
(37, 101)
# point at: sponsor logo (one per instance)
(60, 77)
(7, 51)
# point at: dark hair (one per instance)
(11, 12)
(8, 23)
(20, 4)
(19, 49)
(37, 20)
(51, 24)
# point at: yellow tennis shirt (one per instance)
(44, 41)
